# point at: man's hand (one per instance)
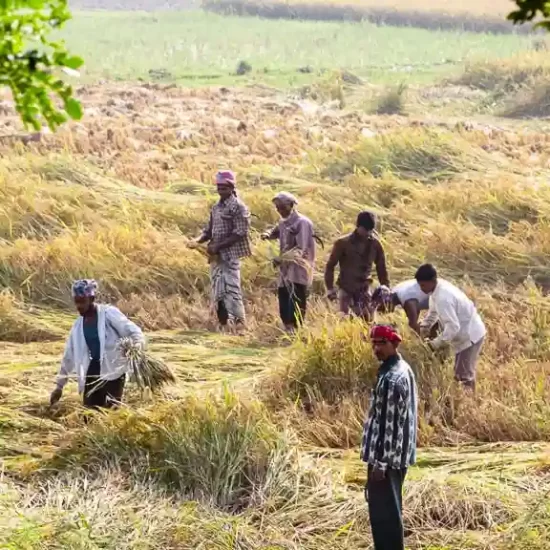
(212, 249)
(377, 474)
(55, 396)
(265, 236)
(332, 294)
(424, 332)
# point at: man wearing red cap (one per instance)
(227, 234)
(389, 439)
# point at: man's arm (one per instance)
(332, 262)
(381, 268)
(206, 234)
(451, 325)
(413, 313)
(67, 367)
(304, 236)
(431, 318)
(272, 234)
(241, 227)
(124, 327)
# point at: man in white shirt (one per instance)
(462, 326)
(409, 296)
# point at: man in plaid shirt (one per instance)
(389, 439)
(227, 234)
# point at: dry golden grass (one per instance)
(118, 197)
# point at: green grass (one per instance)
(203, 48)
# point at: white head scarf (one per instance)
(285, 196)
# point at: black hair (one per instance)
(367, 220)
(426, 272)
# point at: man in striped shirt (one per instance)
(389, 439)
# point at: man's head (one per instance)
(84, 292)
(284, 203)
(382, 299)
(226, 183)
(426, 277)
(385, 340)
(366, 222)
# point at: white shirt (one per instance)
(410, 290)
(112, 325)
(462, 325)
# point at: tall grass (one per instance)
(220, 451)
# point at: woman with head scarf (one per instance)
(297, 247)
(92, 349)
(227, 235)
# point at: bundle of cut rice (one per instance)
(145, 371)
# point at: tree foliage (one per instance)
(31, 62)
(528, 10)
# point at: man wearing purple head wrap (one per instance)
(92, 349)
(227, 234)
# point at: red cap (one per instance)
(385, 332)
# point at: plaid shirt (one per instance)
(230, 217)
(389, 435)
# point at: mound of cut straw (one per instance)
(145, 371)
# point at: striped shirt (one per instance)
(389, 435)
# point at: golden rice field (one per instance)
(255, 447)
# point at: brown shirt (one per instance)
(356, 256)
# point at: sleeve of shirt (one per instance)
(304, 236)
(67, 363)
(124, 327)
(332, 262)
(449, 319)
(241, 221)
(274, 233)
(381, 268)
(207, 231)
(431, 318)
(390, 448)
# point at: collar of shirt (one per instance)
(293, 218)
(389, 363)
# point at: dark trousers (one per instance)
(385, 509)
(102, 394)
(292, 304)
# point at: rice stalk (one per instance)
(146, 371)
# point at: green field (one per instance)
(196, 47)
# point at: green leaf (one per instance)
(73, 108)
(73, 62)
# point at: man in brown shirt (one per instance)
(355, 254)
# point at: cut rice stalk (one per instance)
(146, 371)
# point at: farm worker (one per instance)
(92, 349)
(462, 327)
(407, 295)
(355, 254)
(296, 261)
(389, 438)
(227, 234)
